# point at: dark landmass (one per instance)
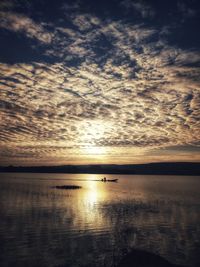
(167, 168)
(140, 258)
(67, 187)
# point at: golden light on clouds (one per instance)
(94, 131)
(100, 91)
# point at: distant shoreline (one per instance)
(167, 168)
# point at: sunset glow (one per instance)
(116, 83)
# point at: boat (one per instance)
(112, 180)
(108, 180)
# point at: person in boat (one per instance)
(104, 179)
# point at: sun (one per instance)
(93, 150)
(95, 132)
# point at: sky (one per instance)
(99, 82)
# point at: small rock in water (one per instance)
(67, 187)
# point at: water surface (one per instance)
(97, 224)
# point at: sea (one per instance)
(99, 223)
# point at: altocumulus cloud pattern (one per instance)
(112, 83)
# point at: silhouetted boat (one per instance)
(109, 180)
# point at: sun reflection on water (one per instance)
(92, 196)
(95, 191)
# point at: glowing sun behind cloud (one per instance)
(89, 139)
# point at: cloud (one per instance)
(140, 7)
(89, 106)
(6, 4)
(113, 88)
(185, 11)
(20, 23)
(85, 22)
(71, 7)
